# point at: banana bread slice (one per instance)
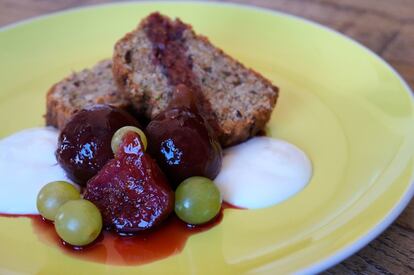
(87, 87)
(160, 54)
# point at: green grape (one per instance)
(78, 222)
(197, 200)
(119, 134)
(53, 195)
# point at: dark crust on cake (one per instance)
(82, 89)
(240, 114)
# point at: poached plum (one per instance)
(84, 144)
(131, 191)
(182, 141)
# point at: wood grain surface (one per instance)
(384, 26)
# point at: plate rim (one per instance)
(383, 223)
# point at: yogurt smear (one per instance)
(27, 163)
(262, 172)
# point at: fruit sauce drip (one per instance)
(169, 52)
(110, 248)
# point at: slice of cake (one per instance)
(87, 87)
(150, 61)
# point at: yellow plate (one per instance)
(343, 105)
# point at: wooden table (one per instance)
(384, 26)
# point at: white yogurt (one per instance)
(27, 163)
(262, 172)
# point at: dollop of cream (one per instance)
(27, 163)
(262, 172)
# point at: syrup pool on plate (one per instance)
(110, 248)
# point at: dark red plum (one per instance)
(84, 145)
(182, 142)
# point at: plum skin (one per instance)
(183, 145)
(84, 144)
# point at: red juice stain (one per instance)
(110, 248)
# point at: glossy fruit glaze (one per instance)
(110, 248)
(84, 145)
(131, 191)
(182, 141)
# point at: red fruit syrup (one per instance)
(110, 248)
